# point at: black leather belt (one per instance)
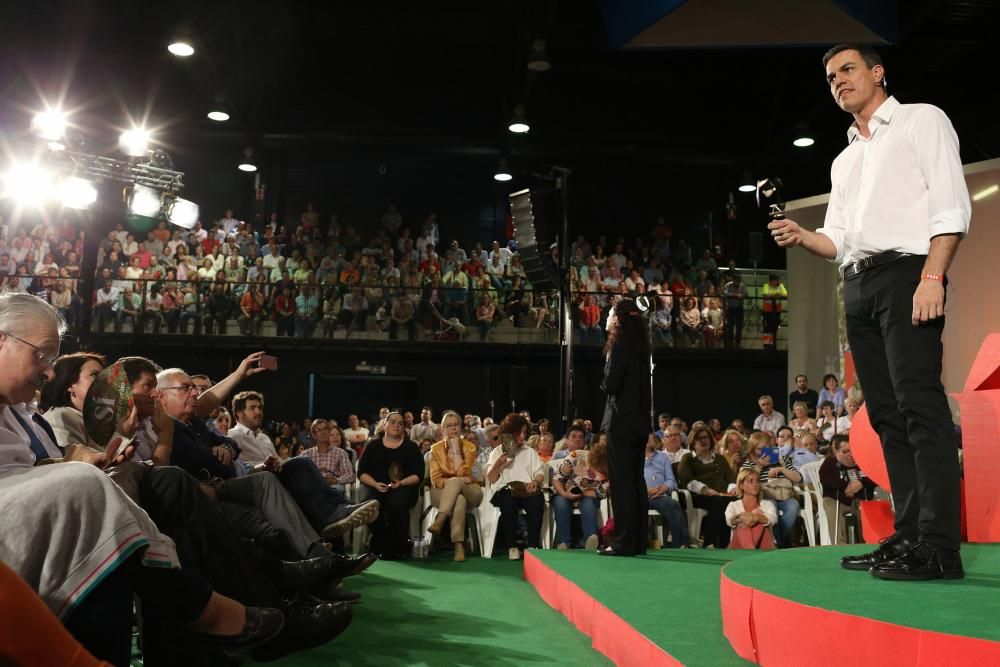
(871, 262)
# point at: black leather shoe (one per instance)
(262, 624)
(887, 549)
(921, 563)
(348, 517)
(301, 575)
(307, 625)
(331, 590)
(345, 566)
(611, 551)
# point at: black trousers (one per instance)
(713, 527)
(510, 509)
(629, 500)
(391, 529)
(899, 366)
(734, 327)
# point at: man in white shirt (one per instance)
(768, 420)
(898, 209)
(255, 445)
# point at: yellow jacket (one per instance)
(440, 466)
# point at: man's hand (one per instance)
(273, 464)
(86, 454)
(328, 477)
(787, 233)
(224, 454)
(928, 301)
(250, 366)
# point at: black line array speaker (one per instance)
(533, 237)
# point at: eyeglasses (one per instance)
(672, 435)
(185, 388)
(43, 358)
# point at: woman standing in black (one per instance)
(626, 421)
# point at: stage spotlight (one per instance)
(247, 162)
(539, 61)
(747, 182)
(518, 122)
(134, 142)
(218, 115)
(75, 192)
(28, 184)
(502, 173)
(49, 125)
(144, 201)
(181, 212)
(803, 142)
(643, 303)
(181, 46)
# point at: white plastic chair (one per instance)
(695, 516)
(813, 486)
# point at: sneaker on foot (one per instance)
(514, 553)
(592, 543)
(349, 517)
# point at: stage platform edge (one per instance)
(608, 632)
(770, 630)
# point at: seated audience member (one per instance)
(772, 487)
(426, 428)
(223, 421)
(844, 487)
(574, 441)
(833, 392)
(291, 495)
(356, 434)
(205, 541)
(403, 315)
(546, 443)
(769, 419)
(800, 415)
(73, 536)
(731, 448)
(454, 490)
(672, 446)
(830, 425)
(391, 471)
(660, 483)
(330, 456)
(750, 516)
(804, 394)
(485, 312)
(804, 449)
(851, 405)
(517, 476)
(255, 445)
(784, 440)
(577, 484)
(708, 477)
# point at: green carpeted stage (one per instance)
(788, 607)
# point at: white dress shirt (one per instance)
(898, 188)
(255, 447)
(770, 423)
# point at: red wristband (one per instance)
(933, 276)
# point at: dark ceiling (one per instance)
(445, 76)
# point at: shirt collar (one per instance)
(882, 115)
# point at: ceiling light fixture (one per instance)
(49, 124)
(803, 142)
(134, 142)
(747, 182)
(28, 184)
(538, 60)
(502, 173)
(218, 115)
(247, 162)
(519, 122)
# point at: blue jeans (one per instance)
(673, 516)
(318, 500)
(563, 509)
(789, 512)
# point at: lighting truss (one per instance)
(111, 169)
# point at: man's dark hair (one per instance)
(867, 53)
(135, 366)
(663, 415)
(576, 427)
(838, 441)
(240, 400)
(827, 404)
(800, 375)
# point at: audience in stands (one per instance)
(802, 393)
(769, 419)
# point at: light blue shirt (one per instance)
(657, 471)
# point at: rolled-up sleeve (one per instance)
(940, 163)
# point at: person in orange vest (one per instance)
(772, 294)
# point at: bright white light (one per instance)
(28, 184)
(804, 142)
(77, 193)
(247, 166)
(518, 127)
(145, 201)
(747, 187)
(502, 176)
(986, 192)
(218, 116)
(183, 213)
(181, 49)
(134, 142)
(49, 125)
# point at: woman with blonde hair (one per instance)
(776, 481)
(749, 516)
(453, 489)
(731, 447)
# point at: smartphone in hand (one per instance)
(268, 362)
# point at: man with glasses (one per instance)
(672, 446)
(768, 420)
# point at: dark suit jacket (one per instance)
(626, 382)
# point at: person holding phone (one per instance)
(764, 460)
(454, 490)
(391, 470)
